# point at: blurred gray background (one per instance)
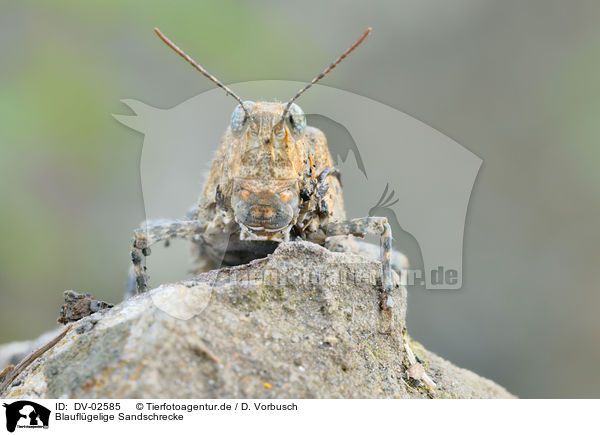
(515, 82)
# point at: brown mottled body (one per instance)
(303, 165)
(300, 167)
(272, 180)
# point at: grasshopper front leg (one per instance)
(152, 232)
(376, 226)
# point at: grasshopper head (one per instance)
(267, 168)
(265, 208)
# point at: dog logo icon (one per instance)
(26, 414)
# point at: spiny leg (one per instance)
(152, 232)
(353, 245)
(377, 226)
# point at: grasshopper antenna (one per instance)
(325, 72)
(206, 74)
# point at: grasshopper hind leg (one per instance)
(376, 226)
(369, 250)
(150, 233)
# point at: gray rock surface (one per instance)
(303, 323)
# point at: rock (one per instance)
(302, 323)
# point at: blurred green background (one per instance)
(516, 82)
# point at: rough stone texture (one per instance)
(303, 323)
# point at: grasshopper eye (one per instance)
(296, 121)
(239, 120)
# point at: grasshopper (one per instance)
(272, 180)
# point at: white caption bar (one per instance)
(297, 416)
